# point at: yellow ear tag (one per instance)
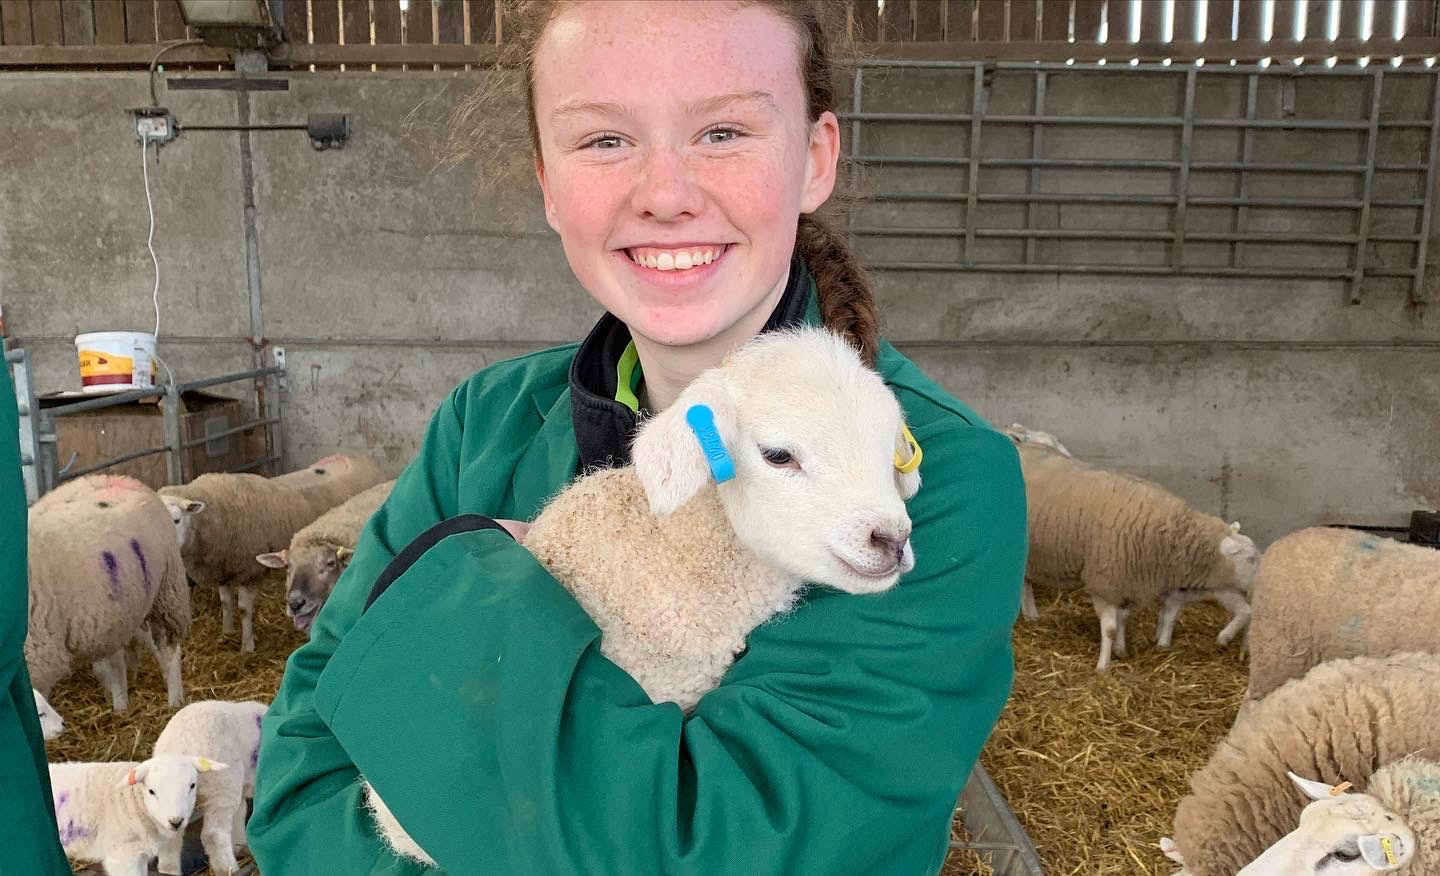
(203, 764)
(1389, 850)
(908, 466)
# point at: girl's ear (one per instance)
(822, 161)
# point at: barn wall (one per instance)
(388, 279)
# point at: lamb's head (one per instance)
(820, 457)
(182, 514)
(167, 787)
(1021, 435)
(1237, 564)
(51, 724)
(1340, 834)
(311, 573)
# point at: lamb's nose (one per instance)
(176, 822)
(889, 543)
(296, 603)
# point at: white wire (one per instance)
(150, 245)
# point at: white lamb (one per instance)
(104, 571)
(222, 521)
(222, 731)
(51, 724)
(1128, 542)
(822, 472)
(120, 813)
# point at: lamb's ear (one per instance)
(277, 560)
(667, 455)
(135, 776)
(1235, 527)
(193, 506)
(1379, 849)
(1313, 789)
(205, 764)
(343, 554)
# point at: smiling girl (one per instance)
(681, 149)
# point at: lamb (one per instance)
(222, 521)
(104, 570)
(119, 813)
(1328, 593)
(219, 731)
(321, 551)
(644, 546)
(51, 724)
(1128, 542)
(1340, 721)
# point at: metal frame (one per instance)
(994, 829)
(39, 441)
(974, 196)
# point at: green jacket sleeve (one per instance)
(473, 695)
(25, 805)
(308, 817)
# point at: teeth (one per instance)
(675, 260)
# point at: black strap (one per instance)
(427, 540)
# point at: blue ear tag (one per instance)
(702, 423)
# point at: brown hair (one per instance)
(847, 305)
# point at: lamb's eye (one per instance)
(779, 458)
(330, 563)
(152, 791)
(192, 786)
(1346, 854)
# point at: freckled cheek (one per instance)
(586, 201)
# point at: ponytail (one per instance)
(847, 306)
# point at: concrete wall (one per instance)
(388, 280)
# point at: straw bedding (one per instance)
(1092, 766)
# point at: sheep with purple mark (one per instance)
(228, 732)
(105, 570)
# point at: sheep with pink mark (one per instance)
(105, 570)
(227, 732)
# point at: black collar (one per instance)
(604, 426)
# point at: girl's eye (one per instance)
(779, 458)
(602, 141)
(719, 135)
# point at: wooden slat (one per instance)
(325, 22)
(46, 25)
(1055, 20)
(295, 20)
(1087, 20)
(894, 22)
(1315, 12)
(387, 22)
(1022, 20)
(451, 15)
(1218, 19)
(482, 22)
(77, 21)
(109, 23)
(990, 23)
(1152, 22)
(1419, 18)
(1284, 19)
(140, 21)
(959, 20)
(1185, 19)
(925, 16)
(1251, 22)
(1119, 12)
(168, 21)
(355, 22)
(15, 22)
(1382, 22)
(867, 21)
(1350, 20)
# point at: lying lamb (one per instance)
(104, 570)
(1339, 722)
(1324, 594)
(219, 731)
(119, 813)
(319, 553)
(223, 521)
(650, 541)
(1128, 542)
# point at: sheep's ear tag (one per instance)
(130, 777)
(202, 764)
(908, 466)
(1378, 850)
(702, 422)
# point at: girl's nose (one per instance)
(666, 189)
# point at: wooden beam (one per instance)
(450, 15)
(140, 22)
(15, 22)
(109, 23)
(355, 22)
(77, 20)
(129, 57)
(46, 24)
(168, 20)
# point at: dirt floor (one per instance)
(1092, 766)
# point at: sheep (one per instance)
(51, 724)
(104, 570)
(676, 571)
(1340, 721)
(119, 813)
(336, 477)
(321, 551)
(222, 521)
(222, 731)
(1328, 593)
(1128, 542)
(1021, 435)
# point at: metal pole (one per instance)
(29, 438)
(46, 459)
(977, 110)
(1371, 141)
(1037, 148)
(1417, 286)
(1182, 185)
(174, 410)
(1247, 154)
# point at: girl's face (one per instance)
(676, 158)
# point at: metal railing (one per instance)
(974, 153)
(39, 439)
(994, 831)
